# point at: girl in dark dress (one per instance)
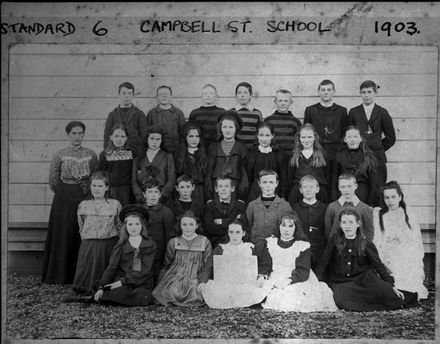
(191, 159)
(354, 268)
(308, 158)
(226, 156)
(266, 156)
(356, 158)
(117, 160)
(128, 279)
(70, 169)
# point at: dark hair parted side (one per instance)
(359, 241)
(299, 232)
(244, 84)
(384, 208)
(74, 124)
(128, 85)
(368, 84)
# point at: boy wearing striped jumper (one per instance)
(250, 116)
(284, 122)
(206, 116)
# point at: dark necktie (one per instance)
(136, 264)
(348, 204)
(225, 207)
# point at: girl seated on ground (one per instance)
(285, 266)
(354, 265)
(234, 284)
(399, 241)
(128, 279)
(184, 264)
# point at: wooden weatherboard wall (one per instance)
(51, 78)
(51, 84)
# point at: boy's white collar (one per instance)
(239, 107)
(355, 200)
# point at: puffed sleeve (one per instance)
(118, 222)
(55, 171)
(302, 267)
(265, 261)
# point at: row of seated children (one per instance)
(188, 259)
(315, 150)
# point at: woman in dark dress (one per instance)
(70, 169)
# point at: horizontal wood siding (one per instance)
(51, 84)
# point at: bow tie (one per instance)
(224, 204)
(349, 204)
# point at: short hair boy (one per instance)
(250, 116)
(206, 116)
(328, 118)
(133, 119)
(375, 124)
(221, 211)
(184, 201)
(264, 213)
(168, 117)
(161, 222)
(284, 122)
(311, 213)
(347, 186)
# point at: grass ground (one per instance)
(36, 311)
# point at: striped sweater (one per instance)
(251, 120)
(206, 118)
(285, 127)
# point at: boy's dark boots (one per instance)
(410, 299)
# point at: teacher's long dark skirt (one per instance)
(63, 239)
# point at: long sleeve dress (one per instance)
(118, 164)
(257, 161)
(184, 263)
(295, 173)
(161, 167)
(401, 249)
(354, 278)
(70, 169)
(235, 292)
(291, 260)
(133, 267)
(99, 227)
(232, 166)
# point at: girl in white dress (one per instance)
(235, 283)
(398, 240)
(285, 265)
